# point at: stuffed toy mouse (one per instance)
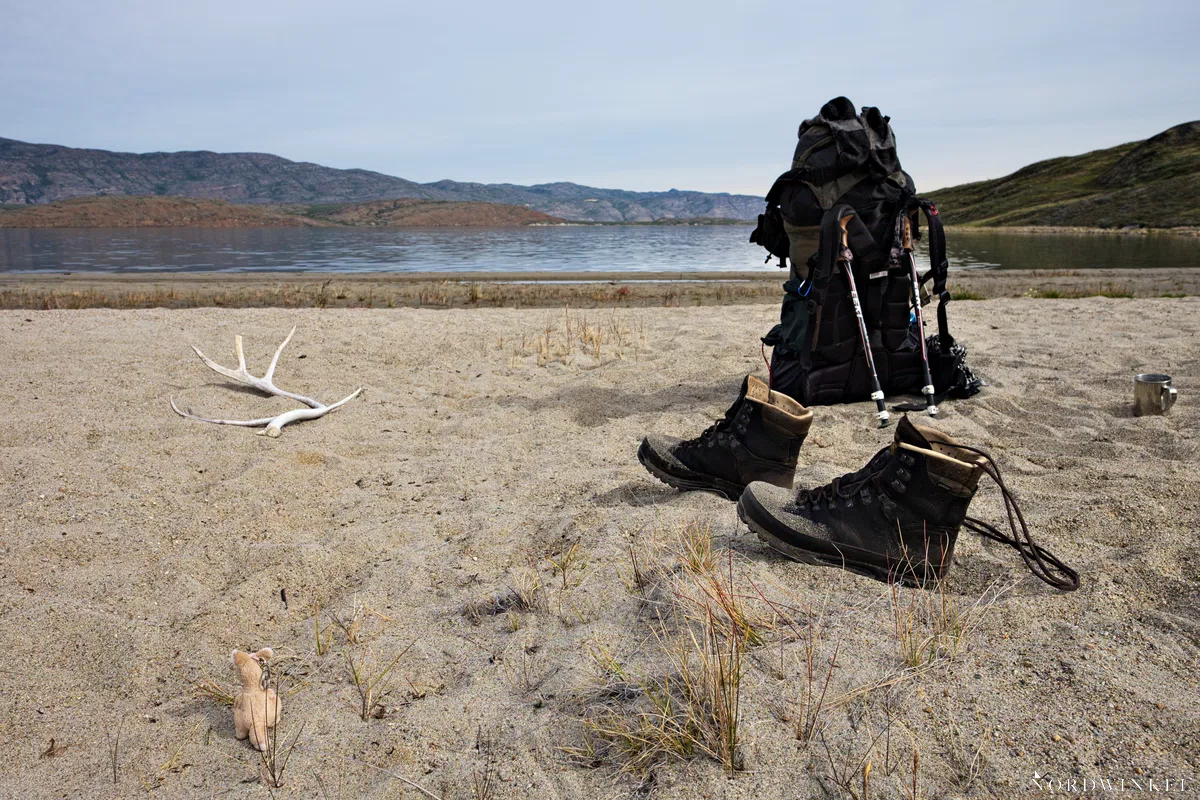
(255, 706)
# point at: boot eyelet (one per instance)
(903, 474)
(898, 486)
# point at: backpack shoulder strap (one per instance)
(940, 267)
(830, 249)
(822, 270)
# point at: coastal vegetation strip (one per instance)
(184, 212)
(514, 290)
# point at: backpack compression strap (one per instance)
(829, 252)
(859, 240)
(939, 268)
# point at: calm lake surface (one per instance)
(571, 248)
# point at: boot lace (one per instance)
(1041, 562)
(718, 427)
(845, 485)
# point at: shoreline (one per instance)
(526, 290)
(968, 229)
(1036, 230)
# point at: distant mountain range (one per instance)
(1153, 183)
(40, 173)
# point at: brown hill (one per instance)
(181, 212)
(430, 213)
(1150, 184)
(149, 212)
(47, 173)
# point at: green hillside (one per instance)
(1154, 183)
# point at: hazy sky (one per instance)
(638, 95)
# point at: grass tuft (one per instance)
(930, 626)
(691, 705)
(372, 683)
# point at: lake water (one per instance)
(570, 248)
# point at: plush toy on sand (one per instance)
(256, 706)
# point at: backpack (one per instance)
(847, 206)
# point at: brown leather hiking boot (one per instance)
(897, 518)
(759, 439)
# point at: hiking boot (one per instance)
(897, 518)
(758, 440)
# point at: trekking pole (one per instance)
(876, 391)
(927, 390)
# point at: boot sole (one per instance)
(746, 507)
(695, 482)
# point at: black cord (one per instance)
(1041, 562)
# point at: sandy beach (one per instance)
(478, 520)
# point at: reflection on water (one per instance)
(1070, 251)
(571, 248)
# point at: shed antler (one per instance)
(271, 425)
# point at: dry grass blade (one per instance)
(372, 685)
(565, 563)
(273, 759)
(692, 708)
(214, 691)
(707, 590)
(574, 333)
(114, 748)
(930, 626)
(401, 778)
(810, 702)
(351, 624)
(483, 780)
(324, 639)
(694, 547)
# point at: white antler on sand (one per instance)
(266, 385)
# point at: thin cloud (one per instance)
(695, 95)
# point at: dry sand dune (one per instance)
(137, 548)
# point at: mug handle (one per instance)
(1168, 397)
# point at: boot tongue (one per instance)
(755, 389)
(746, 391)
(907, 433)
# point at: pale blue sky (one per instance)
(634, 95)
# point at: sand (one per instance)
(138, 548)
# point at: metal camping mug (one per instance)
(1152, 394)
